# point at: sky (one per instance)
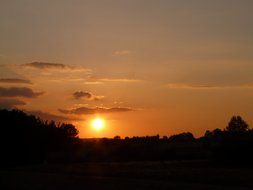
(146, 67)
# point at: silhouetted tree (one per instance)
(117, 137)
(69, 130)
(216, 133)
(26, 138)
(208, 134)
(237, 124)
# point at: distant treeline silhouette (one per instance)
(28, 139)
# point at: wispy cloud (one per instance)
(93, 82)
(119, 80)
(205, 86)
(87, 111)
(97, 81)
(15, 80)
(121, 52)
(86, 95)
(19, 92)
(46, 72)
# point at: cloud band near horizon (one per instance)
(88, 111)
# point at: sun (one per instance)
(98, 124)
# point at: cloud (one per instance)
(93, 82)
(205, 86)
(87, 111)
(97, 81)
(48, 116)
(56, 66)
(210, 75)
(188, 86)
(121, 52)
(19, 92)
(46, 65)
(53, 71)
(119, 80)
(7, 103)
(86, 95)
(15, 80)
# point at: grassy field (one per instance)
(132, 175)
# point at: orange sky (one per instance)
(146, 67)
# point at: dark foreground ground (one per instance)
(132, 175)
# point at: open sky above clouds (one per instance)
(147, 67)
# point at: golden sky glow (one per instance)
(146, 67)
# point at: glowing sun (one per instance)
(98, 124)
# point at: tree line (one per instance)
(28, 139)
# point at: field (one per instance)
(179, 175)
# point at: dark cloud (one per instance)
(19, 92)
(86, 95)
(15, 80)
(86, 111)
(6, 103)
(46, 65)
(82, 94)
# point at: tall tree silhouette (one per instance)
(237, 124)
